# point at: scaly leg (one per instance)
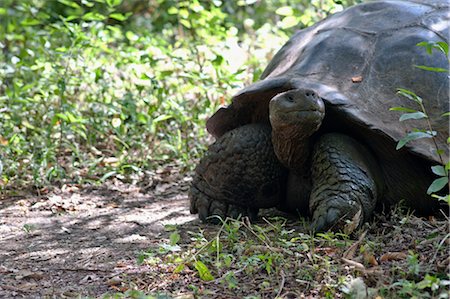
(346, 183)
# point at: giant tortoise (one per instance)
(315, 134)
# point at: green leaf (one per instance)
(179, 268)
(432, 69)
(87, 3)
(413, 136)
(437, 185)
(119, 17)
(172, 10)
(443, 46)
(174, 238)
(113, 3)
(203, 271)
(30, 22)
(71, 18)
(414, 115)
(107, 175)
(185, 23)
(93, 16)
(69, 3)
(285, 11)
(427, 45)
(288, 22)
(131, 36)
(445, 114)
(439, 170)
(402, 109)
(410, 95)
(445, 198)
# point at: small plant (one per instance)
(442, 171)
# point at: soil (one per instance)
(84, 241)
(78, 240)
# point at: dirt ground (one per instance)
(79, 241)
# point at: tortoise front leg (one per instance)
(346, 183)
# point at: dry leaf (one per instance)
(357, 79)
(393, 256)
(330, 251)
(3, 141)
(114, 281)
(370, 259)
(354, 223)
(29, 274)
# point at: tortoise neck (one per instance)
(293, 150)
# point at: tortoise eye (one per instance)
(290, 99)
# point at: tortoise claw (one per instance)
(214, 211)
(335, 219)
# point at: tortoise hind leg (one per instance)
(238, 175)
(346, 183)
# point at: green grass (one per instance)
(400, 257)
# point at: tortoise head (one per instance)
(294, 116)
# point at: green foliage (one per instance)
(238, 250)
(430, 287)
(442, 171)
(92, 90)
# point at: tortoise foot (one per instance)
(215, 211)
(344, 217)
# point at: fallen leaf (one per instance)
(357, 79)
(29, 274)
(114, 281)
(3, 141)
(327, 250)
(121, 264)
(353, 224)
(393, 256)
(370, 259)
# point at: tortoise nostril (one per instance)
(310, 94)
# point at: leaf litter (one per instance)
(121, 238)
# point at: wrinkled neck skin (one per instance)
(292, 149)
(294, 116)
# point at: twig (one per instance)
(209, 242)
(259, 237)
(283, 281)
(350, 252)
(439, 247)
(357, 265)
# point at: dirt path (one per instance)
(79, 240)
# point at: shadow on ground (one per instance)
(76, 240)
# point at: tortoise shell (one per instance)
(356, 60)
